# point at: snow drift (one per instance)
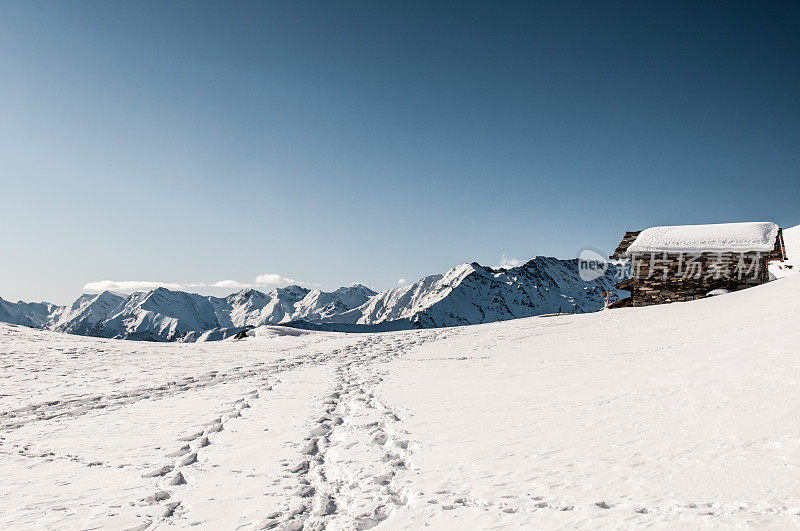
(720, 237)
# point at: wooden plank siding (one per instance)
(660, 278)
(627, 240)
(779, 252)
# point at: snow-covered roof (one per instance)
(722, 237)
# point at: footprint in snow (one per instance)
(321, 430)
(155, 498)
(311, 448)
(384, 479)
(187, 459)
(191, 437)
(301, 468)
(176, 479)
(214, 428)
(180, 451)
(164, 470)
(306, 491)
(170, 508)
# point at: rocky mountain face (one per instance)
(164, 315)
(467, 294)
(34, 314)
(87, 313)
(474, 294)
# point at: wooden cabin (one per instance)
(687, 262)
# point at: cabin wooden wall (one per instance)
(627, 240)
(668, 279)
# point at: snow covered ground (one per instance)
(683, 415)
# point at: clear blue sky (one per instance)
(337, 142)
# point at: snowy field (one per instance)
(678, 416)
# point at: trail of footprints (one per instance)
(79, 406)
(350, 470)
(351, 465)
(15, 418)
(171, 476)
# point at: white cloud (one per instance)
(273, 279)
(231, 284)
(401, 281)
(128, 285)
(506, 263)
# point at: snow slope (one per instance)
(673, 416)
(676, 416)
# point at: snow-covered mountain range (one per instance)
(474, 294)
(467, 294)
(166, 315)
(34, 314)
